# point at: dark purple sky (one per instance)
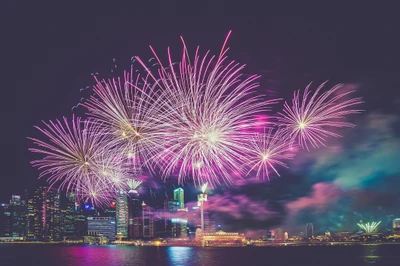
(49, 51)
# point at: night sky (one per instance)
(48, 53)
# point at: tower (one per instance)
(309, 230)
(134, 212)
(202, 197)
(122, 214)
(179, 197)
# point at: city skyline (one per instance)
(353, 179)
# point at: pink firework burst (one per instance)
(268, 150)
(69, 153)
(312, 117)
(129, 111)
(209, 109)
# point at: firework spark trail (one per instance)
(268, 150)
(130, 111)
(369, 227)
(95, 192)
(75, 159)
(208, 108)
(69, 155)
(309, 119)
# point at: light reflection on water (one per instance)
(46, 255)
(371, 255)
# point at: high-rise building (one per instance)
(18, 211)
(286, 236)
(396, 226)
(102, 226)
(122, 215)
(46, 213)
(279, 235)
(179, 196)
(134, 209)
(209, 223)
(147, 221)
(309, 230)
(68, 215)
(5, 220)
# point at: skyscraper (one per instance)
(5, 220)
(17, 210)
(46, 213)
(279, 235)
(122, 215)
(179, 197)
(134, 208)
(309, 230)
(147, 221)
(396, 226)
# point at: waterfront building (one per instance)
(396, 226)
(102, 226)
(18, 211)
(147, 221)
(179, 197)
(122, 214)
(221, 238)
(279, 234)
(309, 230)
(5, 220)
(134, 209)
(286, 236)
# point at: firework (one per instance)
(70, 151)
(133, 184)
(95, 192)
(210, 110)
(268, 150)
(369, 227)
(76, 160)
(311, 116)
(128, 109)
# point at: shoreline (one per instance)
(211, 246)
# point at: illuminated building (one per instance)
(17, 210)
(209, 223)
(202, 197)
(52, 223)
(221, 238)
(286, 236)
(68, 216)
(309, 230)
(102, 226)
(134, 211)
(122, 215)
(179, 197)
(396, 226)
(147, 221)
(46, 214)
(279, 234)
(5, 220)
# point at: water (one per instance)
(46, 255)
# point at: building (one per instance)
(102, 226)
(309, 230)
(279, 234)
(134, 210)
(147, 221)
(221, 238)
(396, 226)
(122, 215)
(286, 236)
(5, 220)
(18, 210)
(179, 197)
